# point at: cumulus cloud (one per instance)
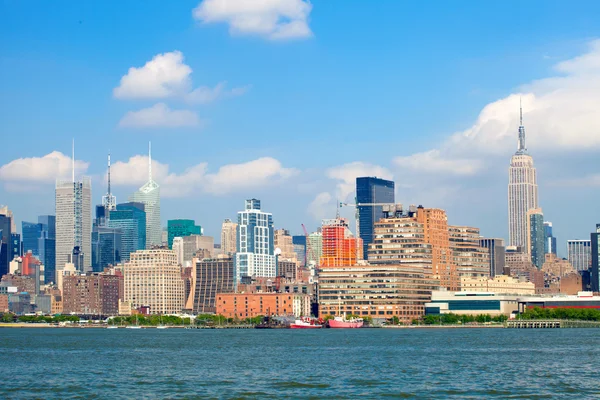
(44, 169)
(321, 206)
(165, 75)
(346, 176)
(159, 115)
(229, 178)
(271, 19)
(560, 114)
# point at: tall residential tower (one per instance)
(371, 190)
(522, 190)
(149, 195)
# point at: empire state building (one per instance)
(522, 190)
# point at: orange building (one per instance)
(249, 305)
(435, 224)
(340, 247)
(29, 264)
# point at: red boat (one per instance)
(342, 322)
(306, 323)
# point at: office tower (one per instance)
(496, 251)
(6, 250)
(522, 190)
(580, 254)
(299, 243)
(396, 282)
(149, 195)
(255, 249)
(536, 236)
(178, 249)
(339, 244)
(181, 228)
(130, 218)
(435, 225)
(197, 246)
(314, 248)
(17, 245)
(595, 249)
(283, 242)
(549, 240)
(371, 190)
(153, 279)
(228, 236)
(210, 276)
(472, 260)
(74, 219)
(31, 231)
(47, 246)
(107, 245)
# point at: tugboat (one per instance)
(342, 322)
(306, 323)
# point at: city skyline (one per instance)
(455, 161)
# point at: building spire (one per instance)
(149, 161)
(73, 160)
(522, 147)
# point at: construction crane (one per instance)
(357, 217)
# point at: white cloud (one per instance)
(321, 206)
(205, 94)
(44, 169)
(165, 75)
(433, 162)
(230, 178)
(272, 19)
(348, 173)
(159, 115)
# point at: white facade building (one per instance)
(149, 195)
(255, 250)
(580, 254)
(73, 204)
(522, 191)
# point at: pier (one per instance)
(550, 324)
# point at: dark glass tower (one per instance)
(371, 190)
(595, 270)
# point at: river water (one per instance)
(372, 363)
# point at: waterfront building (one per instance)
(130, 219)
(17, 244)
(181, 228)
(153, 279)
(339, 246)
(496, 253)
(580, 254)
(471, 303)
(47, 246)
(74, 221)
(371, 190)
(314, 248)
(192, 244)
(107, 247)
(228, 237)
(581, 300)
(500, 284)
(436, 233)
(299, 244)
(6, 251)
(595, 269)
(209, 277)
(550, 241)
(470, 258)
(92, 294)
(31, 232)
(283, 242)
(255, 248)
(250, 305)
(522, 190)
(536, 236)
(149, 195)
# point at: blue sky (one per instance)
(346, 91)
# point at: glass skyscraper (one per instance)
(31, 231)
(5, 244)
(47, 246)
(106, 247)
(255, 243)
(595, 270)
(130, 218)
(550, 241)
(536, 236)
(371, 190)
(181, 228)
